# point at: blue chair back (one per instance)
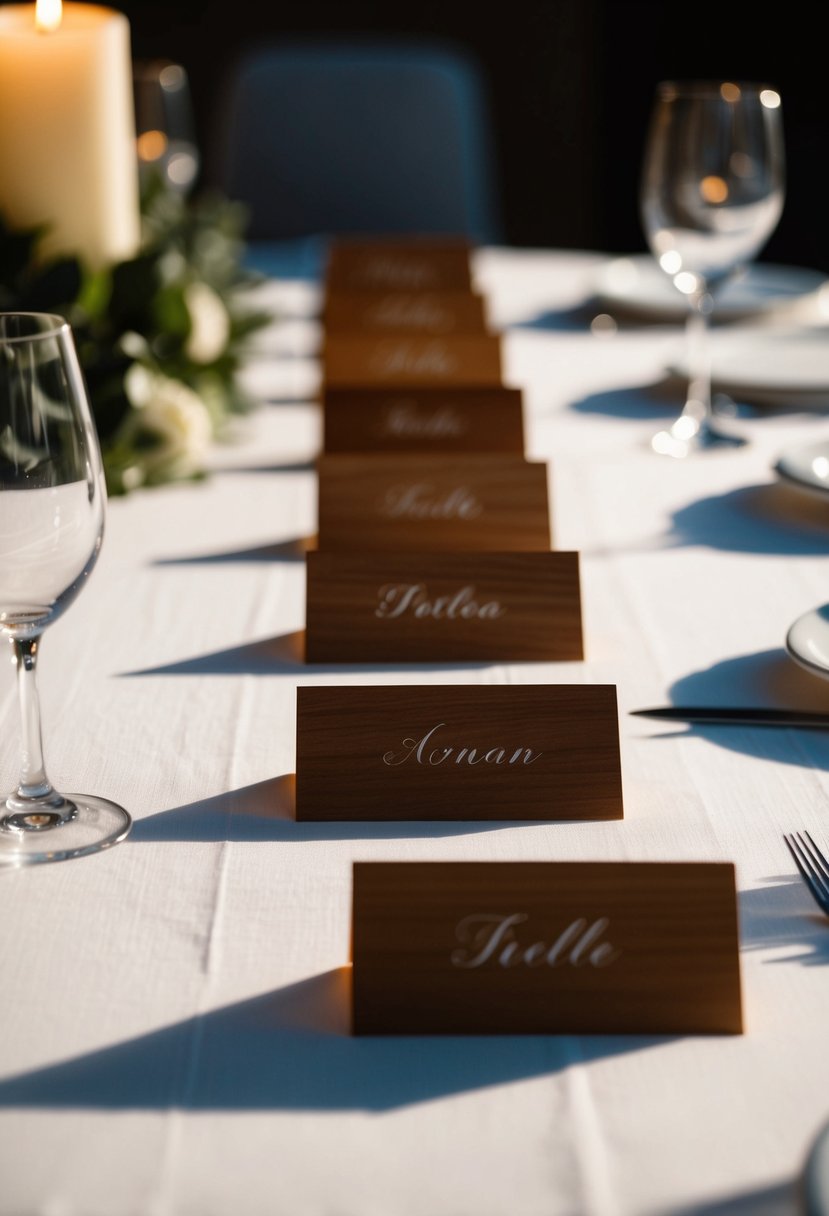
(347, 139)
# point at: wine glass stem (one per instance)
(34, 805)
(698, 398)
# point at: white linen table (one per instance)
(174, 1028)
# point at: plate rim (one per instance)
(802, 483)
(648, 305)
(809, 664)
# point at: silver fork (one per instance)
(812, 865)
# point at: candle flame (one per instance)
(48, 14)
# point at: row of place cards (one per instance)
(434, 545)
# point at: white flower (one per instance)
(178, 417)
(209, 324)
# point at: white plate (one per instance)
(637, 284)
(808, 641)
(806, 467)
(769, 366)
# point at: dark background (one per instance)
(569, 85)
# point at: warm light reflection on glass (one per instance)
(48, 14)
(714, 189)
(770, 99)
(686, 282)
(820, 467)
(151, 145)
(730, 92)
(671, 262)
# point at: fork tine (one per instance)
(817, 856)
(816, 879)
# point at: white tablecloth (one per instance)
(174, 1026)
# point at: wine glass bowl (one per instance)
(712, 193)
(52, 505)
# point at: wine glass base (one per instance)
(678, 443)
(27, 840)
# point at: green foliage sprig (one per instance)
(160, 337)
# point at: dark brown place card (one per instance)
(442, 607)
(477, 502)
(455, 312)
(399, 265)
(423, 420)
(545, 948)
(364, 361)
(463, 751)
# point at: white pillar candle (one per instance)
(67, 131)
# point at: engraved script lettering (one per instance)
(405, 422)
(392, 312)
(420, 501)
(400, 359)
(490, 938)
(387, 272)
(421, 751)
(397, 599)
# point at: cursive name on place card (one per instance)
(492, 940)
(363, 361)
(442, 607)
(401, 266)
(404, 313)
(425, 420)
(545, 948)
(458, 752)
(433, 503)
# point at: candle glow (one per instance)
(48, 15)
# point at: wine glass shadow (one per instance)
(768, 517)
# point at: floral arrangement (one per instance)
(160, 337)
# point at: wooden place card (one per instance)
(432, 503)
(545, 948)
(364, 361)
(473, 752)
(424, 420)
(399, 265)
(442, 607)
(438, 313)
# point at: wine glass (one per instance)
(164, 125)
(712, 194)
(52, 499)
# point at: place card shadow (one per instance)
(291, 1049)
(782, 913)
(293, 550)
(266, 812)
(767, 678)
(282, 655)
(771, 518)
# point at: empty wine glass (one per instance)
(164, 125)
(712, 194)
(52, 500)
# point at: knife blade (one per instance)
(734, 716)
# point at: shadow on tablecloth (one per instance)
(765, 678)
(285, 655)
(265, 812)
(290, 1049)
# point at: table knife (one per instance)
(733, 716)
